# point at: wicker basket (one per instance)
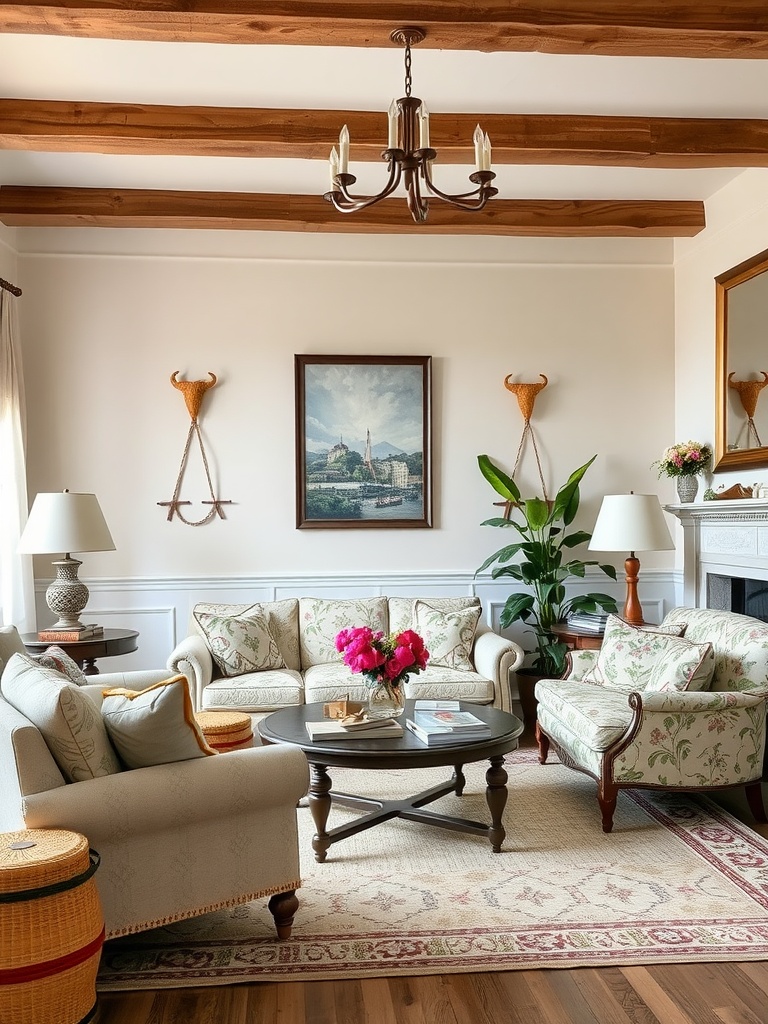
(226, 730)
(51, 928)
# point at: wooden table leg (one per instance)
(496, 795)
(320, 806)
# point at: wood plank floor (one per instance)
(716, 993)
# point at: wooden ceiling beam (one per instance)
(690, 28)
(61, 126)
(22, 206)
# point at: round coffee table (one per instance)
(406, 751)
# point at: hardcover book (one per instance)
(70, 636)
(331, 730)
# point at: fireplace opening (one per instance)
(735, 594)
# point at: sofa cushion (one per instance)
(596, 715)
(67, 718)
(448, 636)
(320, 619)
(154, 726)
(10, 643)
(255, 691)
(56, 658)
(333, 682)
(282, 618)
(240, 643)
(628, 654)
(437, 682)
(401, 609)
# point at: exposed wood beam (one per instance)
(60, 126)
(687, 28)
(141, 208)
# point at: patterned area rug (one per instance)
(678, 880)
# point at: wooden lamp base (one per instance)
(633, 612)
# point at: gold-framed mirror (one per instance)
(741, 365)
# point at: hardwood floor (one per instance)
(709, 993)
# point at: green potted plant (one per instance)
(542, 562)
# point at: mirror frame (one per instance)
(724, 459)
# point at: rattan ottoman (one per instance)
(51, 927)
(226, 730)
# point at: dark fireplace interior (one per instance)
(734, 594)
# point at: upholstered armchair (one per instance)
(176, 839)
(663, 711)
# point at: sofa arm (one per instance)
(192, 659)
(164, 797)
(138, 679)
(693, 701)
(494, 658)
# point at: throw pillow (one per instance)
(448, 636)
(240, 643)
(56, 658)
(629, 654)
(685, 666)
(67, 718)
(154, 726)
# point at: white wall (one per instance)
(105, 322)
(8, 255)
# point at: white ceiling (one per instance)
(53, 67)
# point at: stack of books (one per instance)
(588, 622)
(70, 636)
(445, 726)
(367, 729)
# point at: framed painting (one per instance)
(363, 442)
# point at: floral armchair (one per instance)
(680, 707)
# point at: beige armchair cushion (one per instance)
(69, 721)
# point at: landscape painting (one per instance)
(363, 439)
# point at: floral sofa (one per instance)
(260, 657)
(678, 706)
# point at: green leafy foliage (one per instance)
(540, 558)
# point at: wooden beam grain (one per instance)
(23, 206)
(690, 28)
(68, 127)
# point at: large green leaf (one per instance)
(567, 498)
(499, 521)
(518, 606)
(498, 479)
(536, 513)
(574, 539)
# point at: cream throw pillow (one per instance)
(67, 718)
(154, 726)
(240, 643)
(629, 656)
(448, 636)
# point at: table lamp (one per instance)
(631, 522)
(64, 522)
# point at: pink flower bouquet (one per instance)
(383, 659)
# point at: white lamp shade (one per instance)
(631, 522)
(62, 522)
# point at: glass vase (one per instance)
(386, 701)
(687, 488)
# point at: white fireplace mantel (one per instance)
(728, 538)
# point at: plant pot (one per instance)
(526, 684)
(687, 488)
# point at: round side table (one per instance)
(85, 652)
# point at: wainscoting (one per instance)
(160, 608)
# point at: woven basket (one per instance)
(226, 730)
(51, 928)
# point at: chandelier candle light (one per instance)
(408, 161)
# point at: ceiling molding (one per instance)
(142, 208)
(732, 28)
(69, 127)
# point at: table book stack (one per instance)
(367, 729)
(588, 622)
(446, 725)
(70, 636)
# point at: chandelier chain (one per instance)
(408, 79)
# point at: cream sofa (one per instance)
(666, 711)
(175, 840)
(304, 630)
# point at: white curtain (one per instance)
(17, 596)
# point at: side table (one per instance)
(578, 639)
(85, 652)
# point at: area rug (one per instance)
(678, 880)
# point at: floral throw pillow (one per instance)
(685, 666)
(240, 643)
(448, 636)
(629, 654)
(57, 659)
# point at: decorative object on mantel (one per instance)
(733, 493)
(385, 661)
(685, 461)
(407, 159)
(749, 392)
(193, 391)
(631, 522)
